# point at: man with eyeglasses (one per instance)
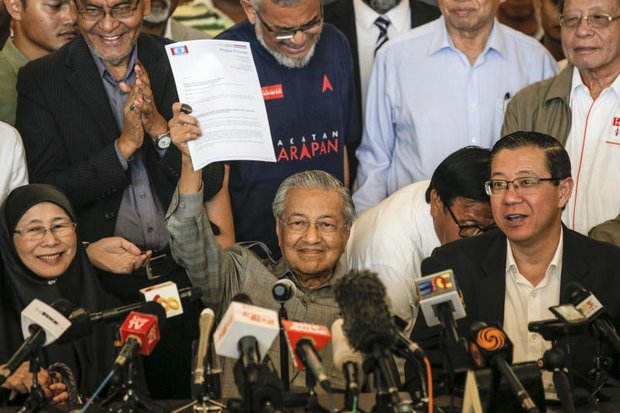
(581, 108)
(393, 237)
(313, 214)
(305, 71)
(39, 28)
(93, 118)
(512, 276)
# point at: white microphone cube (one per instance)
(241, 320)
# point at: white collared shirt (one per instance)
(524, 303)
(367, 34)
(593, 145)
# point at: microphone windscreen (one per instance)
(367, 319)
(242, 298)
(283, 290)
(341, 349)
(63, 306)
(156, 309)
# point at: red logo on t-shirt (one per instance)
(616, 121)
(273, 92)
(327, 84)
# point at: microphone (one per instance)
(593, 310)
(305, 341)
(489, 345)
(114, 314)
(205, 323)
(368, 324)
(42, 324)
(283, 290)
(403, 343)
(243, 320)
(140, 332)
(346, 360)
(440, 301)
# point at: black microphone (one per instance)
(367, 322)
(283, 290)
(115, 314)
(249, 355)
(45, 323)
(348, 361)
(593, 310)
(403, 343)
(489, 345)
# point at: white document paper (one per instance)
(218, 79)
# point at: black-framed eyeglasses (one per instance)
(595, 21)
(286, 33)
(121, 11)
(469, 230)
(524, 186)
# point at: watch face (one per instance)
(163, 142)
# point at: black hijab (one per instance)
(90, 357)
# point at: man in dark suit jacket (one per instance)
(342, 14)
(93, 118)
(512, 276)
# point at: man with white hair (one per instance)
(306, 74)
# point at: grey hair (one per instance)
(314, 179)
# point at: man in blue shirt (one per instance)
(306, 73)
(438, 88)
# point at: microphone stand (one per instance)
(387, 399)
(313, 405)
(284, 370)
(555, 362)
(36, 401)
(212, 389)
(131, 399)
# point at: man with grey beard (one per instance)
(160, 23)
(306, 73)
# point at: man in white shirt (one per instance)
(438, 88)
(394, 237)
(368, 24)
(512, 276)
(581, 108)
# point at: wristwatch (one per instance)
(163, 140)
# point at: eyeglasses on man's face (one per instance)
(524, 186)
(301, 226)
(285, 33)
(120, 11)
(37, 232)
(469, 230)
(595, 21)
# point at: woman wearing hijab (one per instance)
(43, 258)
